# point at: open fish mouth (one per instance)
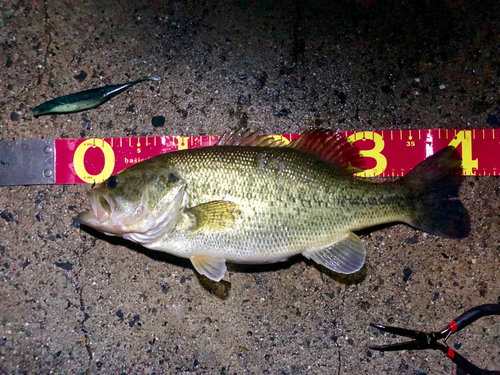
(137, 224)
(102, 207)
(102, 210)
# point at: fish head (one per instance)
(140, 204)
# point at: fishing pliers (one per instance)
(423, 341)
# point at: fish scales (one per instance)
(289, 201)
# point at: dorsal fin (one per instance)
(244, 137)
(330, 146)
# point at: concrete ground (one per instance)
(75, 301)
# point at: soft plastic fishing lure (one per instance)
(87, 99)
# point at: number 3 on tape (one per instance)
(380, 160)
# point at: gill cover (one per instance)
(136, 205)
(161, 220)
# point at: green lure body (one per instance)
(83, 100)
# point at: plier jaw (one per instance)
(422, 340)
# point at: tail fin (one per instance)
(435, 183)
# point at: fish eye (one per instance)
(113, 181)
(172, 178)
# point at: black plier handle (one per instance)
(424, 340)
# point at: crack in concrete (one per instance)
(86, 332)
(340, 362)
(46, 29)
(336, 343)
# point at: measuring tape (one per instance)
(387, 153)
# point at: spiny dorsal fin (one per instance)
(244, 137)
(330, 146)
(325, 144)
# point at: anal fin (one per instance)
(210, 266)
(345, 256)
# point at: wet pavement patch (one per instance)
(331, 295)
(7, 216)
(119, 314)
(412, 240)
(282, 112)
(493, 120)
(407, 273)
(134, 321)
(158, 121)
(75, 223)
(65, 266)
(81, 76)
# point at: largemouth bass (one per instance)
(250, 199)
(83, 100)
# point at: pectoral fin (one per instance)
(213, 216)
(210, 266)
(345, 256)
